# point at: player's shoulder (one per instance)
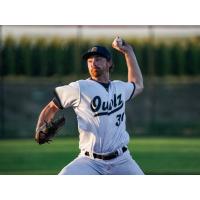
(119, 82)
(85, 82)
(75, 84)
(122, 84)
(69, 83)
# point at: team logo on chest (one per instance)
(101, 107)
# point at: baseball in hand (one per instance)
(118, 42)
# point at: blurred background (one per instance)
(36, 59)
(163, 121)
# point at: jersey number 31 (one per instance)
(120, 119)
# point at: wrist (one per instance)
(128, 50)
(129, 54)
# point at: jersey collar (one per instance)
(105, 85)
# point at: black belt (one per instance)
(106, 156)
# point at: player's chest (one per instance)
(102, 101)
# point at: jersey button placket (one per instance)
(105, 125)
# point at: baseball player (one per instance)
(99, 104)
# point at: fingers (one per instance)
(119, 44)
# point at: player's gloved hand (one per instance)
(48, 130)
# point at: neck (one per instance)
(102, 79)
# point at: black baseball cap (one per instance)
(97, 50)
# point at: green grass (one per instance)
(154, 155)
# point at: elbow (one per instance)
(140, 87)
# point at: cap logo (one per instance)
(94, 49)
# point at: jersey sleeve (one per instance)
(129, 88)
(67, 95)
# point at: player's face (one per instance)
(97, 66)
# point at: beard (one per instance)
(96, 72)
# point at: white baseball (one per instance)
(118, 41)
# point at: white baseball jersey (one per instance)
(100, 112)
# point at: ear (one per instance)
(110, 63)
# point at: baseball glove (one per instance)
(48, 130)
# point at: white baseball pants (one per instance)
(84, 165)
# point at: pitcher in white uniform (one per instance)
(99, 104)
